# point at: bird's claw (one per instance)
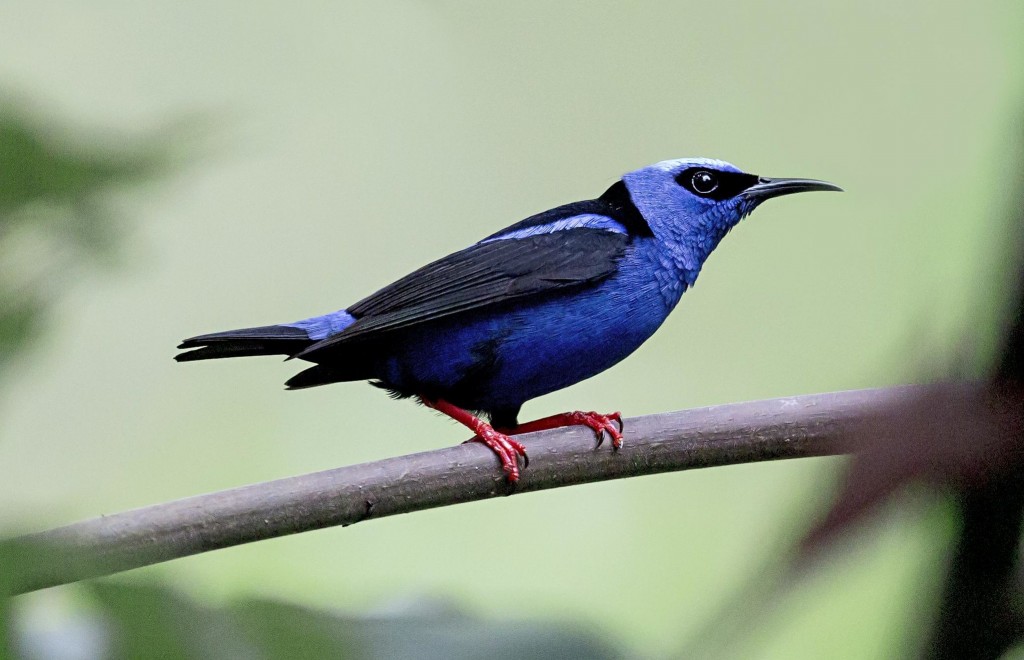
(507, 449)
(601, 424)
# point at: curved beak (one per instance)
(766, 188)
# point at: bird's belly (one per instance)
(564, 346)
(506, 357)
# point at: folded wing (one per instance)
(494, 272)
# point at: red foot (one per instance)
(599, 423)
(507, 449)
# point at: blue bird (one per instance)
(538, 306)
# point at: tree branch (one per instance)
(792, 427)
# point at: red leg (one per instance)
(507, 449)
(596, 421)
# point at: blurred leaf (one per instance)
(19, 320)
(428, 631)
(21, 561)
(133, 620)
(55, 216)
(146, 619)
(43, 161)
(291, 631)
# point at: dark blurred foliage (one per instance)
(965, 442)
(55, 211)
(140, 618)
(136, 619)
(961, 442)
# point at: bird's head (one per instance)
(701, 199)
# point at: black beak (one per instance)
(766, 188)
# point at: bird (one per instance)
(533, 308)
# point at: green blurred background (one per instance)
(320, 150)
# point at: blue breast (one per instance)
(503, 358)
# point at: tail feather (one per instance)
(265, 340)
(320, 375)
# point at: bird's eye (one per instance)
(704, 182)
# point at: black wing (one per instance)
(615, 204)
(483, 275)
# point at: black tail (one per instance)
(266, 340)
(322, 375)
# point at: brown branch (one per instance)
(793, 427)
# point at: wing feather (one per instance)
(483, 275)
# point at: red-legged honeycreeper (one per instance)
(533, 308)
